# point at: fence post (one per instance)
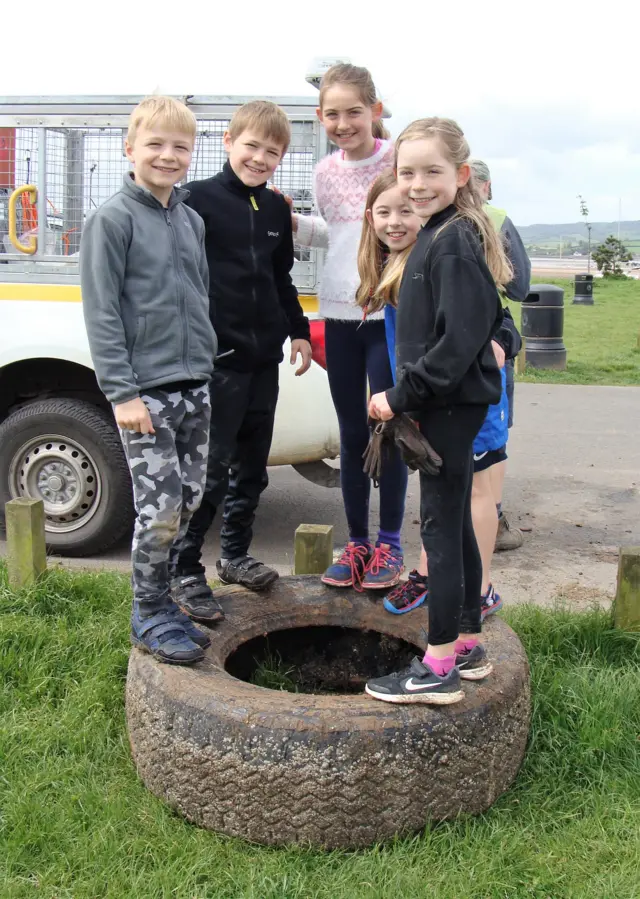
(26, 548)
(521, 359)
(626, 608)
(313, 548)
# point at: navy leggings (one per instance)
(357, 352)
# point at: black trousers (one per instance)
(243, 408)
(446, 528)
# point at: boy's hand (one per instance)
(379, 407)
(134, 416)
(303, 348)
(498, 352)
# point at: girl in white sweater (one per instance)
(356, 349)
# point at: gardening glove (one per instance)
(415, 449)
(372, 456)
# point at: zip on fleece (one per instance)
(254, 207)
(177, 262)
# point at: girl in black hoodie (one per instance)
(448, 311)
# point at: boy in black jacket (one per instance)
(254, 307)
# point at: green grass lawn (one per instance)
(76, 822)
(601, 340)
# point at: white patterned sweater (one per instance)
(340, 193)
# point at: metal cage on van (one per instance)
(60, 158)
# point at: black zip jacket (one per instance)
(448, 312)
(253, 303)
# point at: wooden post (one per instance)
(626, 608)
(26, 549)
(521, 359)
(313, 548)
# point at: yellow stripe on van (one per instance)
(42, 293)
(70, 293)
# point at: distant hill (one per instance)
(576, 232)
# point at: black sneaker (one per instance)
(473, 665)
(247, 572)
(417, 683)
(194, 596)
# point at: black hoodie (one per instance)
(253, 303)
(448, 312)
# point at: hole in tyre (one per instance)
(322, 660)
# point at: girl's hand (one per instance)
(379, 407)
(289, 202)
(134, 416)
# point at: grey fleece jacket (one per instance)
(145, 284)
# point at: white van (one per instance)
(59, 159)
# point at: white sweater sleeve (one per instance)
(312, 231)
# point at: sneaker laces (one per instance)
(350, 556)
(382, 556)
(489, 598)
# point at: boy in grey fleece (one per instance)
(145, 280)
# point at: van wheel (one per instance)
(68, 453)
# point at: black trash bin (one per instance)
(583, 294)
(542, 327)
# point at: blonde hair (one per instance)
(164, 111)
(264, 117)
(379, 281)
(468, 201)
(360, 78)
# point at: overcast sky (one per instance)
(546, 92)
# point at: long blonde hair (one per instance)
(379, 281)
(468, 201)
(360, 78)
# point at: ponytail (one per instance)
(379, 131)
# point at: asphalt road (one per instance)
(573, 481)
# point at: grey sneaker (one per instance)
(194, 596)
(417, 683)
(507, 537)
(473, 665)
(247, 572)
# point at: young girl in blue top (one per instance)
(389, 231)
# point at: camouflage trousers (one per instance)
(168, 471)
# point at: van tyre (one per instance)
(68, 453)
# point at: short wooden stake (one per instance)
(26, 549)
(313, 548)
(521, 360)
(626, 608)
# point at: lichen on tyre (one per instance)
(333, 771)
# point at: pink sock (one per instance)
(466, 645)
(440, 667)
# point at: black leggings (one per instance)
(455, 569)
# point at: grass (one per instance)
(601, 340)
(77, 824)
